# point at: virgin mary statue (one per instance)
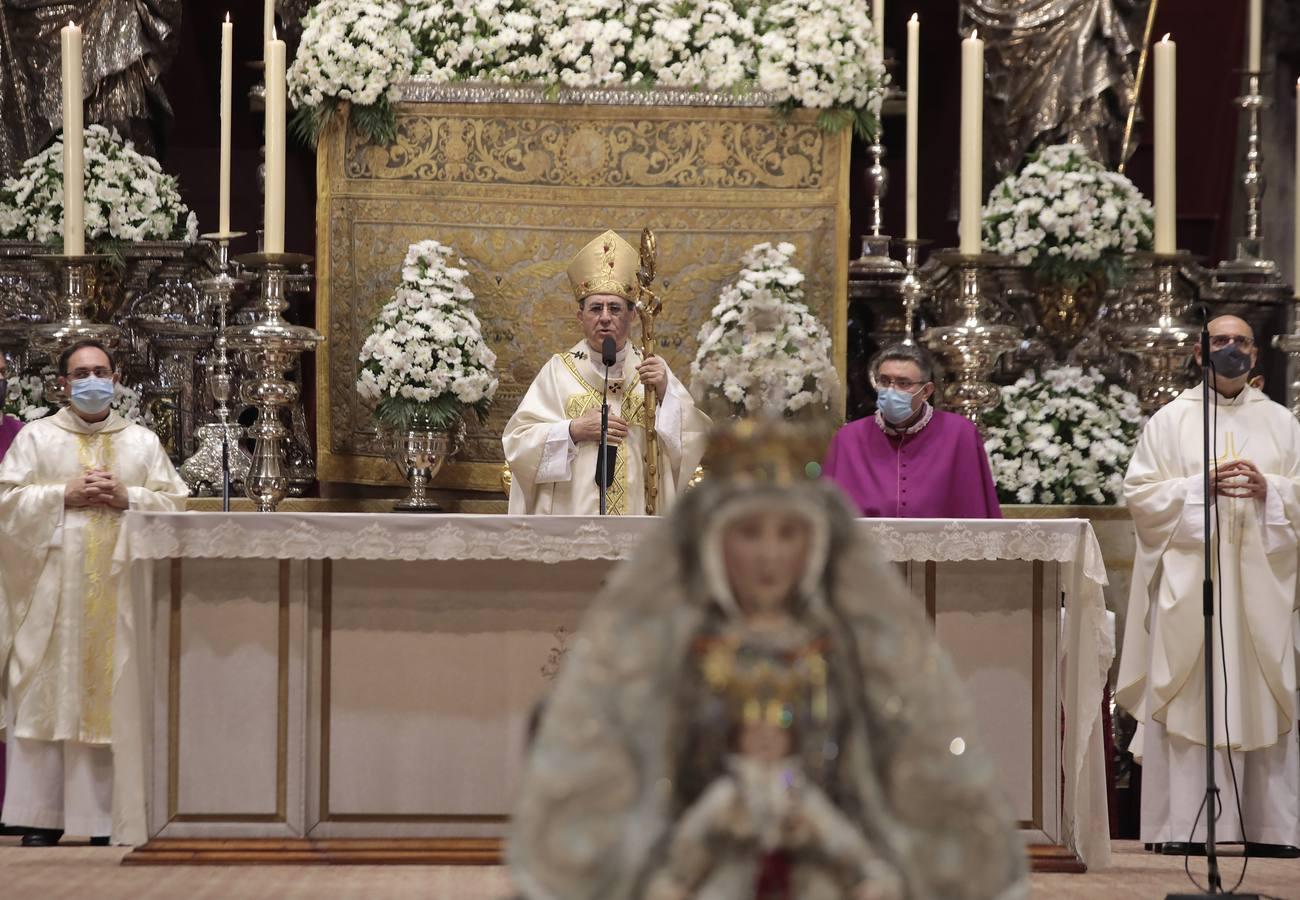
(756, 709)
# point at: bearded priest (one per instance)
(552, 441)
(1255, 495)
(64, 625)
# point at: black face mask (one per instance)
(1230, 362)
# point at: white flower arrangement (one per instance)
(1064, 438)
(25, 399)
(425, 357)
(762, 348)
(127, 196)
(353, 50)
(820, 54)
(1068, 217)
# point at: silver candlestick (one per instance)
(75, 323)
(1162, 347)
(875, 257)
(971, 348)
(911, 289)
(220, 463)
(271, 346)
(1250, 259)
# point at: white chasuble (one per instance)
(1161, 674)
(551, 475)
(62, 645)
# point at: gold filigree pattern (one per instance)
(517, 190)
(759, 151)
(99, 605)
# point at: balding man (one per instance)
(1255, 491)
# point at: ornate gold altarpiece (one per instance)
(516, 182)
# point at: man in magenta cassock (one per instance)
(910, 460)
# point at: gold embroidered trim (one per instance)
(577, 404)
(99, 605)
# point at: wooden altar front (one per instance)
(354, 687)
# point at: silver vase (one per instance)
(419, 452)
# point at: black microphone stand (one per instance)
(602, 476)
(1207, 609)
(225, 471)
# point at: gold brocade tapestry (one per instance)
(516, 189)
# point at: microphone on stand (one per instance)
(607, 455)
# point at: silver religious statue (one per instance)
(128, 46)
(1058, 71)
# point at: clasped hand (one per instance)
(1239, 478)
(98, 487)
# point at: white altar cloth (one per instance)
(1087, 642)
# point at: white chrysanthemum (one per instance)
(1063, 438)
(350, 50)
(426, 346)
(127, 196)
(1067, 215)
(763, 347)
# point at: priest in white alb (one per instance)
(552, 441)
(66, 622)
(1255, 495)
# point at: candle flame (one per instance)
(974, 34)
(916, 17)
(1165, 40)
(227, 15)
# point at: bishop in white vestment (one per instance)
(552, 441)
(1256, 495)
(64, 485)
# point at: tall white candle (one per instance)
(913, 97)
(273, 221)
(1254, 35)
(268, 23)
(74, 174)
(972, 142)
(227, 39)
(1165, 146)
(1295, 222)
(878, 22)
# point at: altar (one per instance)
(358, 687)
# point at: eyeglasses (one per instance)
(597, 310)
(906, 385)
(98, 372)
(1219, 341)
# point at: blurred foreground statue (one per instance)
(1059, 71)
(756, 707)
(128, 45)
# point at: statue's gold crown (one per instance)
(607, 265)
(766, 451)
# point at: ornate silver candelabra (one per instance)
(1161, 347)
(1290, 345)
(1249, 259)
(75, 323)
(219, 464)
(971, 349)
(271, 346)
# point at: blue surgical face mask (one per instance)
(92, 395)
(1230, 362)
(894, 405)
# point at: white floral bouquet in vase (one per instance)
(353, 51)
(1068, 217)
(128, 197)
(425, 359)
(1064, 438)
(762, 348)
